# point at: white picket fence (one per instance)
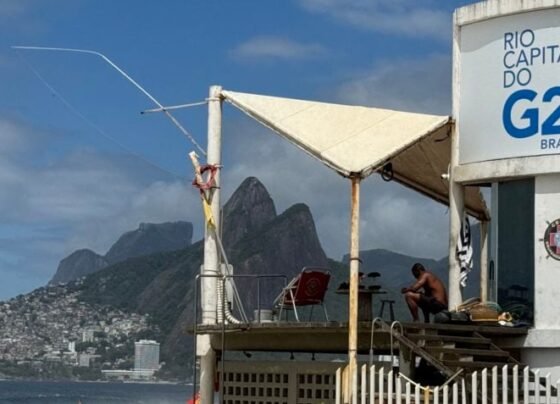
(506, 385)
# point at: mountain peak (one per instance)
(249, 208)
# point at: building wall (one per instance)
(547, 269)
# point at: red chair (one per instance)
(306, 289)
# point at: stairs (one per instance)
(460, 348)
(456, 348)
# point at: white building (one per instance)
(506, 102)
(146, 355)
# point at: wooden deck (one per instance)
(332, 337)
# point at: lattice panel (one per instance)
(267, 382)
(316, 388)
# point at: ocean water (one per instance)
(26, 392)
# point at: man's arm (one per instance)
(418, 285)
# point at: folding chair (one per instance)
(306, 289)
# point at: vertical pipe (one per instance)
(399, 390)
(484, 260)
(211, 257)
(445, 394)
(353, 295)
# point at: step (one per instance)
(449, 338)
(472, 364)
(466, 351)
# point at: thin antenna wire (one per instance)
(90, 123)
(123, 73)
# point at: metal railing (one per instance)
(224, 278)
(506, 385)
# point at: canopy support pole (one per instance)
(211, 265)
(484, 260)
(456, 214)
(352, 371)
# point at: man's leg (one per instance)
(412, 300)
(426, 314)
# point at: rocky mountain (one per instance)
(79, 263)
(257, 241)
(163, 284)
(149, 238)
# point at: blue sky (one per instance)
(78, 175)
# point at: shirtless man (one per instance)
(432, 300)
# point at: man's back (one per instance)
(435, 288)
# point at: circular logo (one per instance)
(552, 239)
(312, 287)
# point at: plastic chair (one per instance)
(306, 289)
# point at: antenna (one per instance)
(126, 76)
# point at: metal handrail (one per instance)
(373, 322)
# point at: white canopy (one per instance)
(357, 141)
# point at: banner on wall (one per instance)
(509, 90)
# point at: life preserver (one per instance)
(210, 181)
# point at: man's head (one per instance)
(417, 270)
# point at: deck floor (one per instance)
(332, 337)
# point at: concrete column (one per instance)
(456, 212)
(484, 260)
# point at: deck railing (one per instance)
(505, 385)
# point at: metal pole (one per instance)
(484, 260)
(211, 264)
(352, 373)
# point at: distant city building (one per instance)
(146, 355)
(88, 335)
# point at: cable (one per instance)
(77, 113)
(126, 76)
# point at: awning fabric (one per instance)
(357, 141)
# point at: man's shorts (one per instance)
(431, 304)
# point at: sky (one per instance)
(79, 164)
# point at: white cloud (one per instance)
(271, 47)
(401, 17)
(82, 200)
(417, 85)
